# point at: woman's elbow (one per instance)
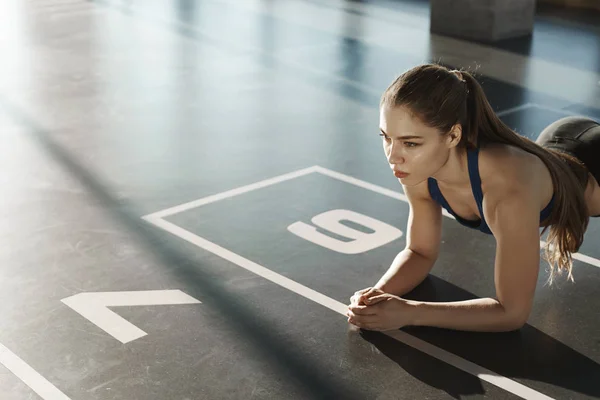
(516, 320)
(516, 323)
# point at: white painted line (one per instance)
(247, 264)
(561, 111)
(468, 366)
(369, 186)
(581, 257)
(586, 259)
(434, 351)
(363, 184)
(514, 109)
(94, 307)
(232, 193)
(390, 193)
(542, 107)
(441, 354)
(324, 171)
(29, 376)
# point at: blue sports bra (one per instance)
(473, 164)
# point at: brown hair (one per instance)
(441, 99)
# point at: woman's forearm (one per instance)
(484, 315)
(408, 270)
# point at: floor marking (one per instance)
(586, 259)
(249, 265)
(231, 193)
(369, 186)
(29, 376)
(434, 351)
(468, 366)
(581, 257)
(562, 111)
(395, 195)
(49, 392)
(514, 109)
(482, 373)
(542, 107)
(94, 307)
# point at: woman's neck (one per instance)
(455, 172)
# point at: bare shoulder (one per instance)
(508, 165)
(510, 174)
(418, 192)
(509, 168)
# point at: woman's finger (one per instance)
(357, 296)
(362, 323)
(375, 299)
(363, 319)
(372, 292)
(362, 310)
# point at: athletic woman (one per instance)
(449, 150)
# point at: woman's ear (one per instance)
(453, 137)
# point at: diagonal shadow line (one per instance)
(298, 368)
(526, 354)
(453, 339)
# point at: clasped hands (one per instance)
(375, 310)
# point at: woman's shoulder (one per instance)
(420, 191)
(506, 169)
(509, 166)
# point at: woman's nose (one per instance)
(395, 157)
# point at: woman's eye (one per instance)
(411, 144)
(384, 136)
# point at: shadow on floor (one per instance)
(526, 354)
(297, 368)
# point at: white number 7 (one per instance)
(362, 241)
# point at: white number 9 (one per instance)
(362, 241)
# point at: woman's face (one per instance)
(414, 151)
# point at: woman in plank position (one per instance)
(444, 142)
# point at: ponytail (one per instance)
(443, 98)
(569, 218)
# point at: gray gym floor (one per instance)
(162, 158)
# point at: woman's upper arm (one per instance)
(513, 218)
(424, 228)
